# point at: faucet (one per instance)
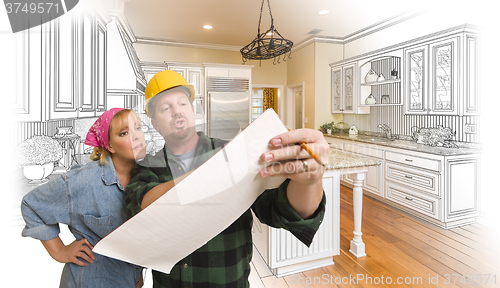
(386, 129)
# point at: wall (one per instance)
(301, 69)
(325, 53)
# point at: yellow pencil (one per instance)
(311, 152)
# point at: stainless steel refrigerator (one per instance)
(228, 113)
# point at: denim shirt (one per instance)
(89, 199)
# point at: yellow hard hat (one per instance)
(162, 81)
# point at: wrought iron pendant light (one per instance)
(267, 45)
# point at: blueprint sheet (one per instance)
(199, 207)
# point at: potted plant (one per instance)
(328, 128)
(37, 156)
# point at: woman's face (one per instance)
(126, 139)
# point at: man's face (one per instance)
(174, 116)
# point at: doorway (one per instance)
(297, 92)
(295, 106)
(266, 96)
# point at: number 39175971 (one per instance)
(32, 8)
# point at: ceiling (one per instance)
(235, 22)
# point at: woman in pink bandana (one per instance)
(89, 199)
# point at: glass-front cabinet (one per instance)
(337, 90)
(416, 81)
(443, 75)
(345, 89)
(432, 78)
(348, 77)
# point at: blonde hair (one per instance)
(121, 118)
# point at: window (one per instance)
(257, 102)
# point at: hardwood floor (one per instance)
(400, 248)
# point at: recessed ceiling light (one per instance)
(207, 27)
(323, 12)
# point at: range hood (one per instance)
(124, 72)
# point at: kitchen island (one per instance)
(284, 254)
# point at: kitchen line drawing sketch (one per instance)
(76, 87)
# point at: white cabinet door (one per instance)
(374, 179)
(415, 79)
(100, 71)
(25, 51)
(86, 45)
(337, 91)
(462, 188)
(443, 77)
(471, 73)
(63, 102)
(349, 88)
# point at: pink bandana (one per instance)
(98, 132)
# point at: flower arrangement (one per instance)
(323, 128)
(38, 150)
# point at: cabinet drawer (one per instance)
(425, 163)
(412, 199)
(364, 150)
(418, 179)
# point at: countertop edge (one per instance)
(441, 151)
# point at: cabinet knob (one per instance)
(408, 176)
(80, 109)
(409, 198)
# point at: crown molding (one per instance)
(166, 42)
(384, 24)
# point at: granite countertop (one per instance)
(406, 144)
(338, 159)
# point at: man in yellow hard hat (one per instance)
(297, 205)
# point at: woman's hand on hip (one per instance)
(72, 253)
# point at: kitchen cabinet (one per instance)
(385, 90)
(194, 76)
(78, 65)
(441, 189)
(101, 69)
(345, 85)
(149, 69)
(24, 52)
(228, 71)
(64, 68)
(471, 75)
(441, 76)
